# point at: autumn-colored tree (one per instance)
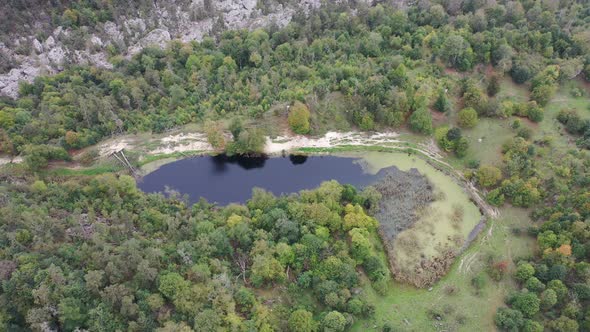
(488, 176)
(72, 139)
(299, 118)
(215, 135)
(355, 217)
(565, 249)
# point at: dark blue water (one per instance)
(224, 180)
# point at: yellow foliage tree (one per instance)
(565, 249)
(355, 217)
(299, 118)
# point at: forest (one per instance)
(93, 252)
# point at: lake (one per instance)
(226, 180)
(223, 180)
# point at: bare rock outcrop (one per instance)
(165, 21)
(156, 38)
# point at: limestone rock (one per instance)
(157, 38)
(9, 82)
(96, 41)
(164, 21)
(135, 27)
(56, 57)
(112, 32)
(37, 46)
(49, 43)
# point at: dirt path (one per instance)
(185, 142)
(329, 140)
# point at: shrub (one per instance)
(516, 124)
(524, 132)
(381, 286)
(421, 121)
(498, 270)
(509, 319)
(461, 147)
(534, 285)
(548, 299)
(468, 118)
(478, 282)
(520, 73)
(88, 157)
(488, 176)
(374, 268)
(250, 141)
(574, 124)
(493, 86)
(215, 135)
(442, 103)
(576, 93)
(542, 94)
(302, 321)
(39, 186)
(442, 138)
(532, 326)
(524, 271)
(495, 197)
(473, 163)
(527, 303)
(334, 321)
(534, 112)
(38, 156)
(563, 324)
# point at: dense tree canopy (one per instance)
(364, 58)
(121, 259)
(94, 253)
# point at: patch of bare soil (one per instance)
(329, 140)
(10, 160)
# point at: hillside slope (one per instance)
(41, 37)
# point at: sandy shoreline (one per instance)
(198, 142)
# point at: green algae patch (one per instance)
(423, 252)
(151, 163)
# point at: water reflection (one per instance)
(220, 161)
(225, 179)
(297, 159)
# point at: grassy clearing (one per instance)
(563, 99)
(459, 305)
(406, 147)
(486, 139)
(176, 155)
(88, 171)
(513, 91)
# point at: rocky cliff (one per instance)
(26, 56)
